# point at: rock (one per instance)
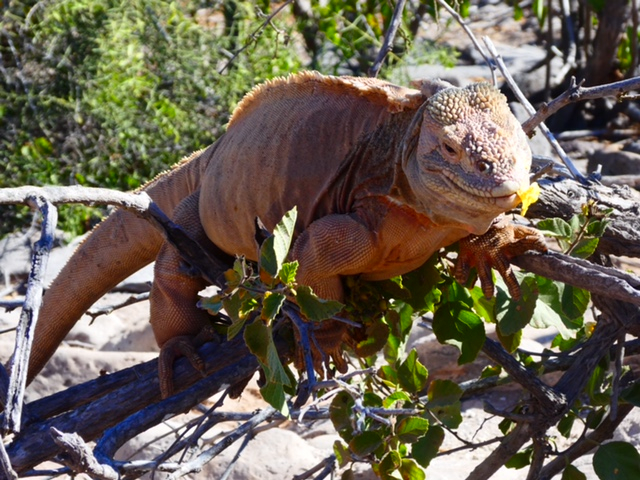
(615, 161)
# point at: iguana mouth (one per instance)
(503, 195)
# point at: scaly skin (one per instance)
(382, 176)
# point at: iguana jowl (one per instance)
(382, 176)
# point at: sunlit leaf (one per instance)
(274, 249)
(412, 375)
(313, 307)
(409, 470)
(585, 247)
(410, 429)
(555, 227)
(271, 304)
(259, 340)
(288, 272)
(518, 313)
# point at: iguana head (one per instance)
(471, 159)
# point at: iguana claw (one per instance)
(326, 345)
(181, 346)
(495, 249)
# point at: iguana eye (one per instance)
(449, 151)
(484, 167)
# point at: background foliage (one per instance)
(111, 92)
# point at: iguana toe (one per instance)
(495, 249)
(181, 346)
(326, 341)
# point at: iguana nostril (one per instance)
(484, 167)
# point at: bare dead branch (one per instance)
(137, 203)
(79, 456)
(583, 274)
(585, 444)
(527, 105)
(255, 35)
(131, 300)
(387, 45)
(5, 463)
(550, 399)
(508, 447)
(133, 389)
(577, 93)
(28, 318)
(206, 456)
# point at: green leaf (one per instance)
(575, 301)
(341, 414)
(549, 310)
(454, 324)
(426, 449)
(555, 227)
(444, 402)
(412, 375)
(398, 396)
(520, 459)
(274, 250)
(288, 272)
(389, 375)
(377, 335)
(259, 340)
(391, 462)
(212, 304)
(409, 470)
(517, 314)
(572, 473)
(271, 305)
(585, 247)
(617, 461)
(274, 395)
(566, 424)
(483, 306)
(410, 429)
(597, 228)
(365, 443)
(313, 307)
(341, 451)
(444, 392)
(421, 282)
(491, 371)
(510, 342)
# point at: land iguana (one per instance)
(382, 176)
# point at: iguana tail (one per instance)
(118, 247)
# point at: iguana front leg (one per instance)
(329, 248)
(495, 249)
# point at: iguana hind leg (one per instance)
(176, 320)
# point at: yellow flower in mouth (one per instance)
(528, 196)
